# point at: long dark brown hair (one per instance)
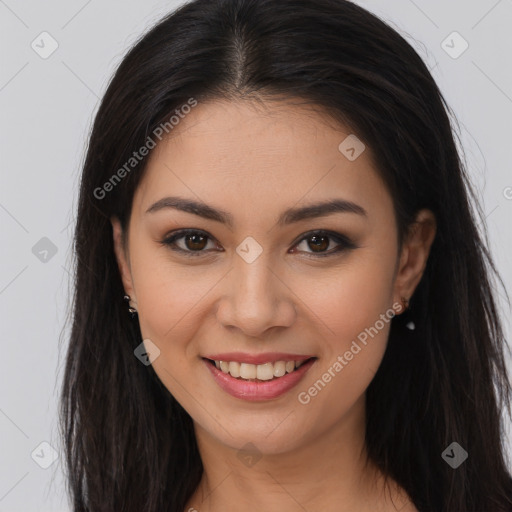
(129, 444)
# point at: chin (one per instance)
(270, 434)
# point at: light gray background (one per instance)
(47, 108)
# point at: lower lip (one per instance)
(258, 391)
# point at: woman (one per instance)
(282, 298)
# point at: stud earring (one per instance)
(405, 305)
(131, 311)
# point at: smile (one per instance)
(266, 371)
(250, 381)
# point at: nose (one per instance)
(256, 299)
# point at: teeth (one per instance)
(247, 371)
(279, 368)
(266, 371)
(234, 369)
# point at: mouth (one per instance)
(258, 382)
(258, 372)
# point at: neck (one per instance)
(326, 473)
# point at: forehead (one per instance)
(251, 157)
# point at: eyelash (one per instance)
(344, 242)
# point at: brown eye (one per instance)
(191, 242)
(195, 242)
(318, 242)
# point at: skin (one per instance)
(254, 160)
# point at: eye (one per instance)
(194, 242)
(319, 242)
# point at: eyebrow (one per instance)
(289, 216)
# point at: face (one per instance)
(259, 276)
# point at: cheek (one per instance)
(351, 298)
(358, 316)
(170, 302)
(354, 308)
(168, 296)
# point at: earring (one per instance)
(131, 311)
(405, 305)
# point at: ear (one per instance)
(414, 255)
(122, 258)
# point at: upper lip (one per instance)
(266, 357)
